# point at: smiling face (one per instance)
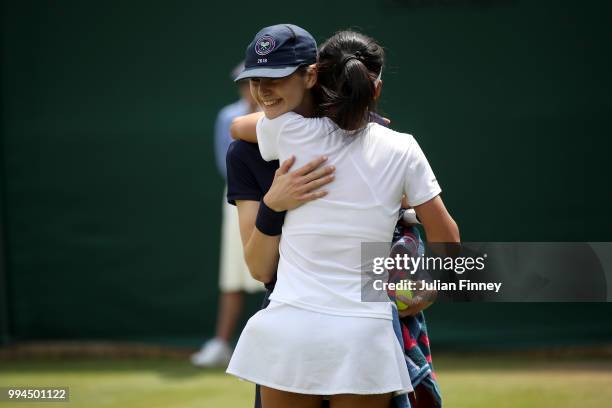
(276, 96)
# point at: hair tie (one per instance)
(348, 58)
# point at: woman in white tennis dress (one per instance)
(317, 337)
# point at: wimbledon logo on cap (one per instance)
(264, 45)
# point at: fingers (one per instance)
(310, 166)
(405, 300)
(415, 305)
(412, 309)
(316, 174)
(308, 178)
(318, 182)
(286, 165)
(312, 196)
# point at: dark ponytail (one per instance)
(349, 64)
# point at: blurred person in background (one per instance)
(234, 276)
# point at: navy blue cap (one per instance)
(278, 51)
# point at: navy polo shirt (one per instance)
(249, 176)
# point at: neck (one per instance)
(306, 108)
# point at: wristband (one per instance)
(268, 221)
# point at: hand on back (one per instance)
(289, 190)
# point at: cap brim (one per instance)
(266, 73)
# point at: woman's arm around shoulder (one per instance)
(244, 127)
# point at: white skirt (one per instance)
(297, 350)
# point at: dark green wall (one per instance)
(112, 200)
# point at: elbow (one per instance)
(446, 231)
(258, 276)
(235, 128)
(263, 278)
(253, 270)
(454, 231)
(257, 272)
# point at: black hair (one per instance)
(349, 63)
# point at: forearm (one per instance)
(446, 231)
(261, 255)
(245, 127)
(260, 250)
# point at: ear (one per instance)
(377, 89)
(311, 76)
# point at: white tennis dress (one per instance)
(317, 336)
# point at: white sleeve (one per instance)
(420, 183)
(269, 132)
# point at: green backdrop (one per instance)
(111, 202)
